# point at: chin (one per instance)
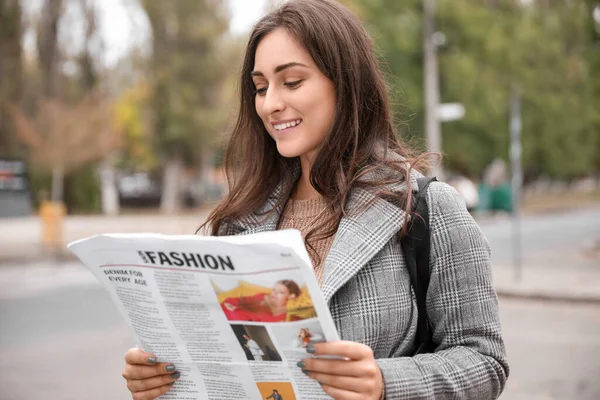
(288, 150)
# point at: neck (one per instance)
(304, 189)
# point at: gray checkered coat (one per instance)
(367, 287)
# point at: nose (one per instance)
(273, 102)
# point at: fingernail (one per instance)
(176, 375)
(305, 372)
(171, 383)
(151, 360)
(300, 364)
(170, 368)
(310, 348)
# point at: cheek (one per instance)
(258, 108)
(323, 110)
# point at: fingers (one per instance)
(147, 371)
(354, 374)
(146, 378)
(144, 385)
(152, 393)
(140, 364)
(340, 367)
(139, 357)
(342, 348)
(346, 379)
(350, 383)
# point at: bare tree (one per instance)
(63, 137)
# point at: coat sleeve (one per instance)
(470, 361)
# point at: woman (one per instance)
(254, 348)
(262, 307)
(305, 337)
(314, 148)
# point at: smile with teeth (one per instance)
(286, 125)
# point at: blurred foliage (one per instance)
(82, 190)
(131, 118)
(10, 72)
(592, 54)
(174, 101)
(186, 75)
(543, 49)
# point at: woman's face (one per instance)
(279, 295)
(295, 101)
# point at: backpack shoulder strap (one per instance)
(416, 247)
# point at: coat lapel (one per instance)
(359, 238)
(258, 221)
(262, 220)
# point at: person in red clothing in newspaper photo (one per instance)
(262, 307)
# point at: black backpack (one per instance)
(415, 245)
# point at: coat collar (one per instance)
(360, 236)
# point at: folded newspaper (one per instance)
(234, 314)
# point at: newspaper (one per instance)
(233, 314)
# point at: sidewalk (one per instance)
(20, 245)
(572, 284)
(21, 238)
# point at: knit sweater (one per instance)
(308, 215)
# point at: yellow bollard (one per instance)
(52, 214)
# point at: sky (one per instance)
(123, 25)
(245, 13)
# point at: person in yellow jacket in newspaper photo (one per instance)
(315, 148)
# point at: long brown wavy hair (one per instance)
(361, 150)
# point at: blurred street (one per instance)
(115, 114)
(62, 339)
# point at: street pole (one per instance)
(516, 177)
(432, 89)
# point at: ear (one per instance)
(292, 296)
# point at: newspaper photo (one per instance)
(233, 314)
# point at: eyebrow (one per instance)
(280, 68)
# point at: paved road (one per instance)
(545, 238)
(61, 339)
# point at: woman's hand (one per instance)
(356, 377)
(146, 378)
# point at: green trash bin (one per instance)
(497, 198)
(502, 198)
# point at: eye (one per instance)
(294, 84)
(260, 91)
